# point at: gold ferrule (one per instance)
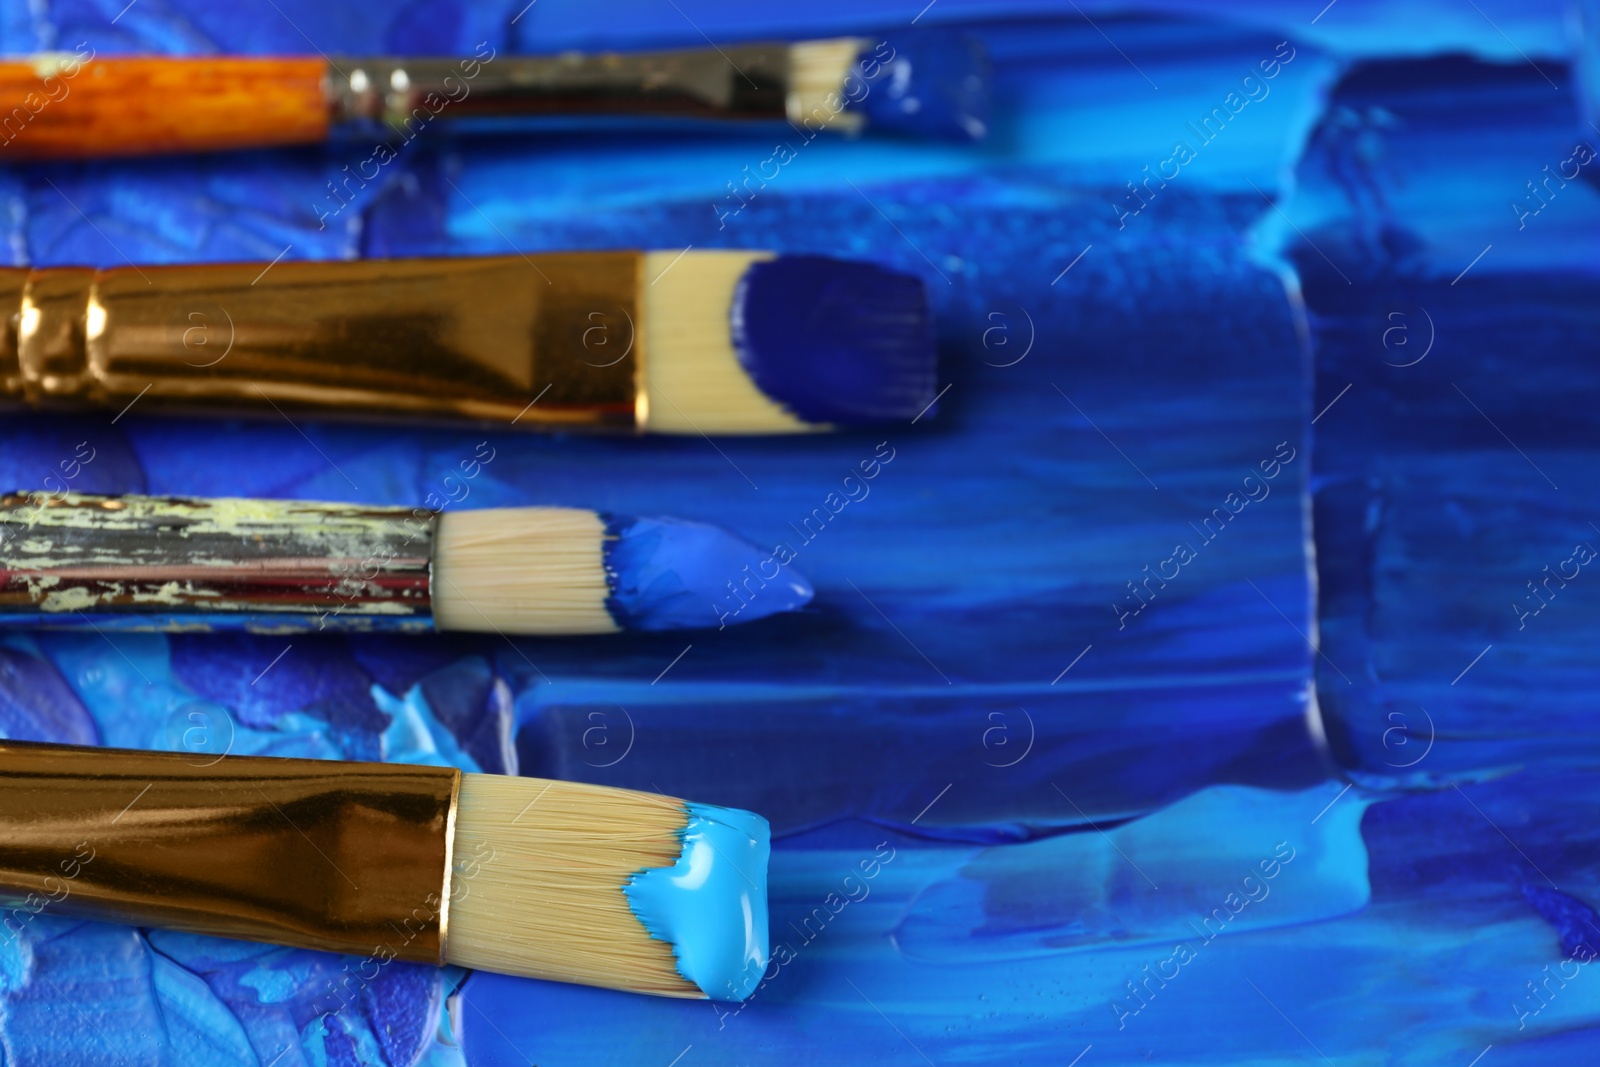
(549, 341)
(342, 857)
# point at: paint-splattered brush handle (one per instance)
(311, 853)
(148, 562)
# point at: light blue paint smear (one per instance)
(415, 734)
(840, 897)
(711, 906)
(672, 574)
(1228, 859)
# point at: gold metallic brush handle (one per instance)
(478, 338)
(344, 857)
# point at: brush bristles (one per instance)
(521, 571)
(817, 72)
(694, 382)
(538, 881)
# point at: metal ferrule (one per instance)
(544, 341)
(137, 562)
(737, 82)
(342, 857)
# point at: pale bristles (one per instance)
(817, 73)
(693, 380)
(537, 885)
(521, 571)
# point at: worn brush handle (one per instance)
(76, 106)
(280, 564)
(344, 857)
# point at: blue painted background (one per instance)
(1023, 812)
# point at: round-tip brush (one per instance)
(156, 563)
(548, 879)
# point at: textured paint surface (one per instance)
(669, 574)
(711, 905)
(1002, 705)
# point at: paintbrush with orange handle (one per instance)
(77, 105)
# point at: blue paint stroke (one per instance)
(1455, 490)
(1577, 924)
(671, 574)
(929, 83)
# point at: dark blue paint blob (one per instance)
(401, 1004)
(933, 83)
(476, 706)
(257, 679)
(671, 574)
(415, 30)
(398, 663)
(835, 341)
(408, 218)
(1576, 922)
(50, 455)
(336, 1041)
(37, 705)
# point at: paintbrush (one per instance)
(684, 342)
(575, 883)
(76, 105)
(70, 560)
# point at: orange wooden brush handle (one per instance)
(80, 107)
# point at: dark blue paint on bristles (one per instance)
(671, 574)
(836, 341)
(927, 83)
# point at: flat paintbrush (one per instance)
(72, 560)
(76, 105)
(576, 883)
(690, 342)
